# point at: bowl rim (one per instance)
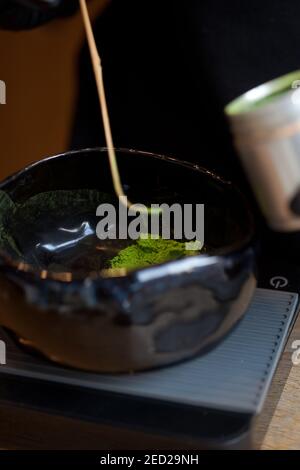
(173, 266)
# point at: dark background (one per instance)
(170, 67)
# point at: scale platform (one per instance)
(207, 402)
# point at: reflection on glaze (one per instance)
(83, 231)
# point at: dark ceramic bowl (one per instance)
(142, 319)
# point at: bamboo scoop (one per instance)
(96, 61)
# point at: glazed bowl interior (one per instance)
(52, 226)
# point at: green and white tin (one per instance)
(265, 123)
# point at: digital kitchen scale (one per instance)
(207, 402)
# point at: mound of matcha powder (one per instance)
(147, 252)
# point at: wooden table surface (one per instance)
(278, 427)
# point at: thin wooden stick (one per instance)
(97, 67)
(96, 61)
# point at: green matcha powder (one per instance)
(148, 252)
